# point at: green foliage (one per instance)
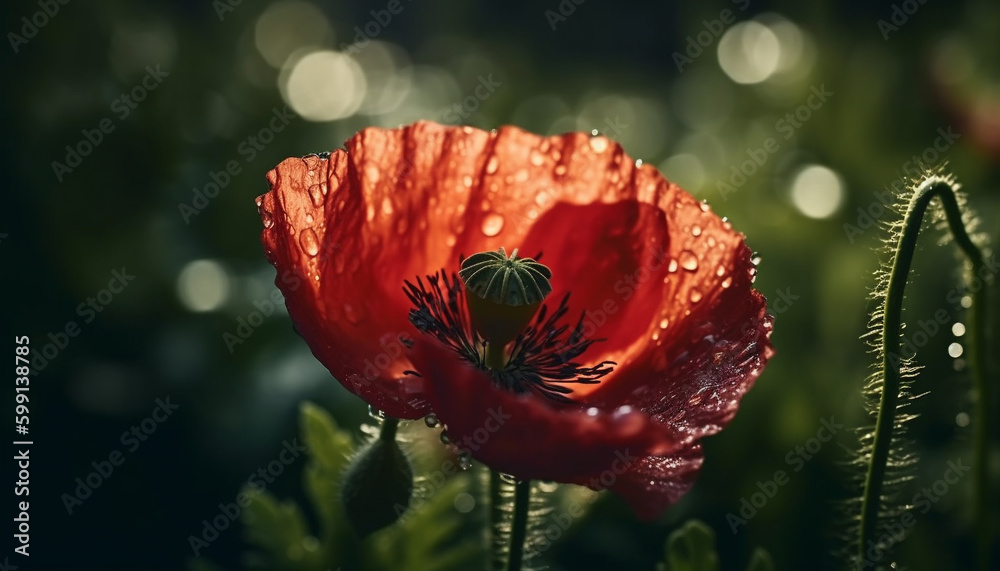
(692, 548)
(428, 537)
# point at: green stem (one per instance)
(388, 430)
(496, 520)
(522, 496)
(934, 187)
(496, 357)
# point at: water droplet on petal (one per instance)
(720, 271)
(386, 206)
(450, 240)
(370, 212)
(464, 462)
(467, 181)
(704, 206)
(695, 295)
(755, 260)
(316, 195)
(711, 241)
(543, 198)
(599, 144)
(445, 439)
(431, 420)
(560, 170)
(492, 164)
(309, 242)
(727, 282)
(536, 158)
(656, 336)
(309, 218)
(376, 414)
(696, 230)
(672, 266)
(492, 224)
(266, 218)
(664, 323)
(258, 200)
(688, 260)
(353, 314)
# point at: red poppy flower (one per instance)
(650, 337)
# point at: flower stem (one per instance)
(933, 187)
(496, 358)
(388, 429)
(522, 495)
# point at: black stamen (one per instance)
(542, 356)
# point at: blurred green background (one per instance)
(875, 91)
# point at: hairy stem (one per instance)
(522, 493)
(934, 187)
(388, 429)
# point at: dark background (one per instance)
(608, 66)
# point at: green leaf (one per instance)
(692, 548)
(432, 536)
(328, 448)
(279, 529)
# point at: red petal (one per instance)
(526, 436)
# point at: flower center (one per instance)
(498, 322)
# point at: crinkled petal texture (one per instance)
(662, 280)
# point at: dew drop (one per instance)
(491, 165)
(464, 462)
(316, 195)
(492, 224)
(467, 181)
(543, 198)
(656, 336)
(672, 266)
(309, 242)
(695, 295)
(258, 200)
(353, 314)
(431, 420)
(266, 218)
(688, 260)
(727, 282)
(370, 212)
(755, 260)
(376, 414)
(711, 241)
(386, 206)
(309, 218)
(537, 159)
(696, 230)
(664, 323)
(704, 206)
(560, 170)
(720, 271)
(599, 144)
(445, 439)
(450, 240)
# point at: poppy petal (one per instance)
(526, 436)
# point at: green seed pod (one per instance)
(377, 486)
(503, 295)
